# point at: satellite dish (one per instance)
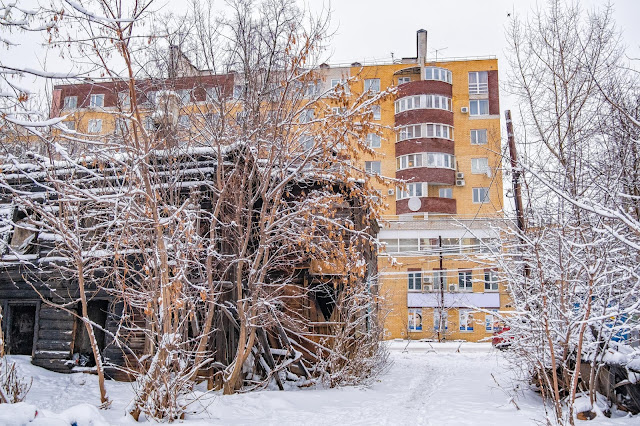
(414, 204)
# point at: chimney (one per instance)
(422, 47)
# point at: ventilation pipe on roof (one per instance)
(422, 50)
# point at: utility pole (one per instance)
(515, 172)
(441, 279)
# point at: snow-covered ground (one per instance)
(427, 384)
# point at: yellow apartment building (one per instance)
(438, 136)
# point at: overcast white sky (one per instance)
(372, 29)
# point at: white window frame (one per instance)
(372, 85)
(124, 100)
(306, 116)
(479, 165)
(96, 100)
(478, 82)
(94, 126)
(69, 125)
(414, 189)
(212, 94)
(480, 195)
(377, 112)
(425, 130)
(445, 192)
(403, 80)
(374, 140)
(478, 107)
(437, 314)
(465, 280)
(438, 74)
(491, 280)
(148, 124)
(70, 102)
(373, 167)
(409, 103)
(120, 125)
(479, 137)
(440, 277)
(466, 320)
(414, 281)
(414, 319)
(491, 321)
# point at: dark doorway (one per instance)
(22, 322)
(97, 312)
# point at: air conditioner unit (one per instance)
(427, 279)
(464, 110)
(459, 175)
(428, 287)
(453, 287)
(390, 192)
(460, 182)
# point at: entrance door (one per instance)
(23, 319)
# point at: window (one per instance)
(423, 102)
(148, 123)
(413, 190)
(340, 85)
(95, 126)
(409, 132)
(212, 94)
(70, 125)
(372, 167)
(445, 193)
(439, 131)
(491, 322)
(440, 160)
(374, 140)
(390, 246)
(440, 280)
(478, 82)
(372, 85)
(408, 244)
(490, 280)
(339, 110)
(184, 122)
(184, 95)
(440, 320)
(403, 80)
(415, 319)
(465, 282)
(415, 281)
(151, 98)
(451, 245)
(480, 195)
(120, 126)
(377, 113)
(237, 91)
(311, 89)
(70, 102)
(306, 116)
(479, 107)
(466, 320)
(124, 100)
(306, 142)
(479, 137)
(440, 74)
(479, 165)
(96, 101)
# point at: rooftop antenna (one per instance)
(392, 58)
(438, 50)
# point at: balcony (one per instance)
(424, 87)
(428, 205)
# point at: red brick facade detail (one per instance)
(197, 85)
(429, 205)
(413, 146)
(494, 93)
(424, 87)
(416, 116)
(428, 174)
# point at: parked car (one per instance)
(502, 338)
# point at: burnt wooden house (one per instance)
(40, 313)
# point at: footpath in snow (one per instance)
(426, 384)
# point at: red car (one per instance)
(502, 338)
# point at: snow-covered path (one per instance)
(427, 384)
(423, 386)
